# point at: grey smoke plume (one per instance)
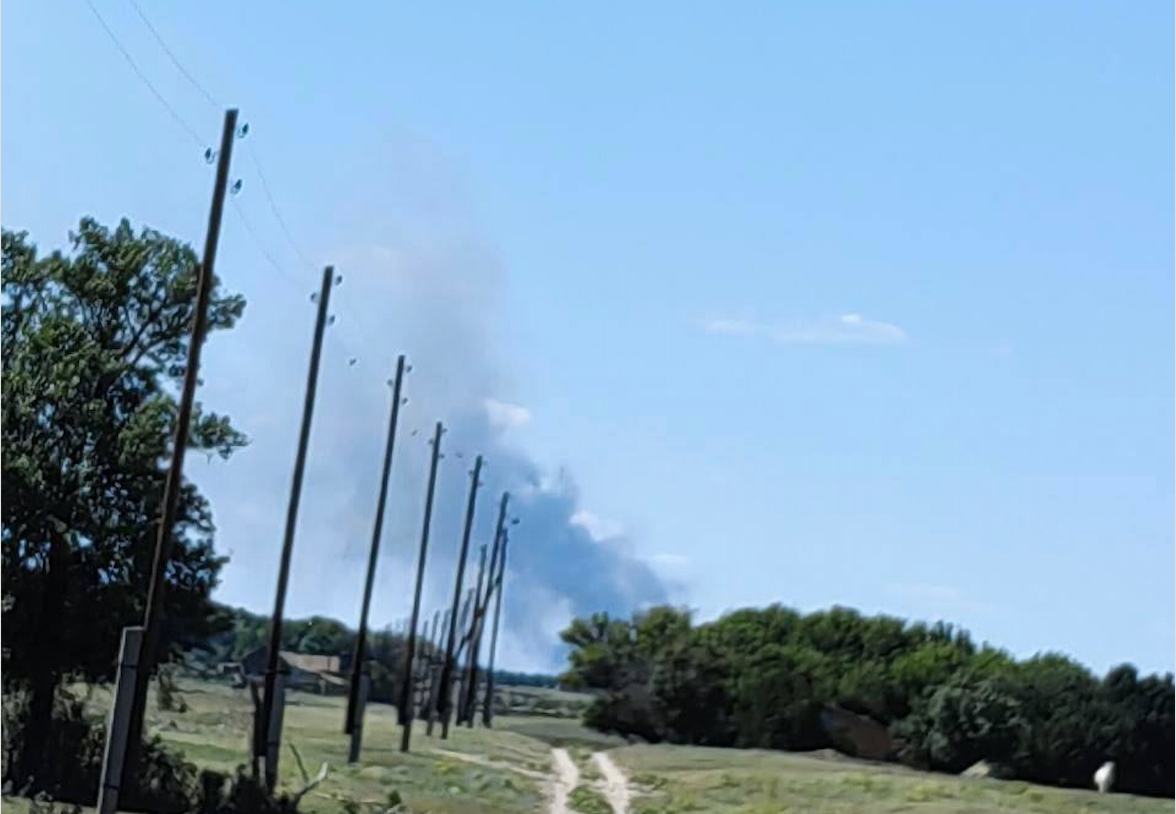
(429, 289)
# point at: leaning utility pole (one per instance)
(461, 643)
(470, 672)
(406, 711)
(471, 702)
(488, 707)
(429, 701)
(173, 485)
(447, 666)
(357, 663)
(271, 706)
(421, 668)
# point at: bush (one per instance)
(169, 697)
(167, 783)
(962, 722)
(240, 794)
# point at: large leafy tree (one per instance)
(94, 345)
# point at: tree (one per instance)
(773, 678)
(94, 346)
(1068, 717)
(1140, 738)
(776, 698)
(691, 701)
(965, 721)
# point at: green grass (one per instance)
(564, 732)
(478, 771)
(676, 779)
(492, 777)
(588, 800)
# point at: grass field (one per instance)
(697, 779)
(509, 769)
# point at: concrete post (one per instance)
(119, 723)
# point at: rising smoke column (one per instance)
(431, 288)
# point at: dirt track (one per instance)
(616, 785)
(567, 777)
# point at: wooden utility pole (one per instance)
(463, 684)
(471, 702)
(461, 643)
(488, 707)
(421, 673)
(173, 485)
(429, 702)
(406, 711)
(269, 705)
(447, 666)
(360, 655)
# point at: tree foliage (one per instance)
(763, 678)
(94, 343)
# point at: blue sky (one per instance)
(817, 303)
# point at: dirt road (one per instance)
(616, 785)
(567, 777)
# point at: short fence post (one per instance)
(119, 723)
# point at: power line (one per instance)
(143, 77)
(265, 188)
(261, 246)
(253, 234)
(287, 233)
(175, 60)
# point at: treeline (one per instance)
(237, 632)
(763, 678)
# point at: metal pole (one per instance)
(447, 665)
(275, 635)
(175, 474)
(488, 707)
(406, 711)
(357, 664)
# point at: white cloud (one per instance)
(669, 559)
(506, 416)
(837, 330)
(599, 528)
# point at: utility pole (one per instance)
(457, 653)
(421, 671)
(172, 486)
(472, 700)
(466, 674)
(488, 707)
(435, 634)
(270, 705)
(357, 663)
(447, 665)
(429, 702)
(406, 711)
